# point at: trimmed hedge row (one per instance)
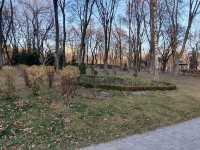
(163, 87)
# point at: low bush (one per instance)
(24, 72)
(27, 58)
(124, 84)
(35, 76)
(82, 68)
(69, 82)
(50, 59)
(125, 67)
(10, 78)
(50, 71)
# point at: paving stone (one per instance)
(183, 136)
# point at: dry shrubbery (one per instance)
(69, 82)
(23, 69)
(35, 77)
(10, 77)
(50, 71)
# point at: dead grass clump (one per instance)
(23, 69)
(69, 82)
(10, 79)
(50, 71)
(35, 76)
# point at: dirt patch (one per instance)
(57, 106)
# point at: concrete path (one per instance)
(184, 136)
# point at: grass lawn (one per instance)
(41, 122)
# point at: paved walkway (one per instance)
(184, 136)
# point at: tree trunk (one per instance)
(82, 49)
(1, 34)
(186, 36)
(153, 13)
(106, 47)
(57, 54)
(64, 37)
(164, 65)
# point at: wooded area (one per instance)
(138, 34)
(79, 72)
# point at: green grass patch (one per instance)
(40, 126)
(42, 122)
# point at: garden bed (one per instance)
(124, 83)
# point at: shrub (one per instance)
(125, 67)
(101, 66)
(82, 68)
(27, 58)
(69, 82)
(35, 75)
(50, 59)
(109, 66)
(9, 74)
(94, 72)
(50, 71)
(120, 84)
(23, 69)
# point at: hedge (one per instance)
(162, 87)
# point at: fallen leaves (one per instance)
(56, 105)
(18, 125)
(1, 126)
(21, 105)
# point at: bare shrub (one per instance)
(69, 82)
(50, 71)
(23, 69)
(35, 76)
(10, 78)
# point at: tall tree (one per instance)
(57, 54)
(38, 23)
(154, 42)
(119, 36)
(107, 10)
(1, 33)
(84, 10)
(173, 7)
(62, 4)
(194, 6)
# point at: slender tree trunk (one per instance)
(153, 14)
(64, 32)
(106, 46)
(82, 48)
(186, 36)
(1, 34)
(164, 65)
(120, 53)
(57, 54)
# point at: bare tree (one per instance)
(130, 22)
(62, 4)
(84, 10)
(37, 26)
(193, 12)
(173, 13)
(57, 55)
(106, 9)
(119, 35)
(153, 14)
(6, 16)
(1, 33)
(134, 19)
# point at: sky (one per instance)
(121, 12)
